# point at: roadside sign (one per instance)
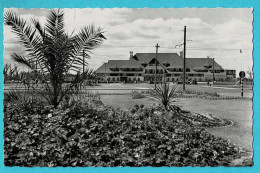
(242, 74)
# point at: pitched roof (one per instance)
(199, 62)
(118, 63)
(171, 58)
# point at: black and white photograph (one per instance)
(128, 87)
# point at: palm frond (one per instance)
(88, 38)
(38, 27)
(26, 33)
(22, 60)
(55, 23)
(12, 96)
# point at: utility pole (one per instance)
(155, 79)
(184, 60)
(213, 72)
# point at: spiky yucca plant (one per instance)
(165, 93)
(55, 52)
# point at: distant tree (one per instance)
(10, 73)
(56, 52)
(250, 74)
(6, 71)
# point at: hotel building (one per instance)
(141, 68)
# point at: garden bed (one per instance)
(92, 134)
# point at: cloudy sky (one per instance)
(219, 33)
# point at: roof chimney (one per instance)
(131, 54)
(181, 54)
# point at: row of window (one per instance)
(190, 75)
(167, 75)
(230, 72)
(120, 74)
(126, 69)
(117, 79)
(178, 69)
(170, 69)
(152, 71)
(204, 70)
(196, 75)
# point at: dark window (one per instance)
(201, 70)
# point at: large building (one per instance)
(141, 68)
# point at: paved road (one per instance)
(224, 90)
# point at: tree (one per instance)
(52, 51)
(10, 73)
(250, 75)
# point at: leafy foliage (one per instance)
(53, 52)
(165, 93)
(92, 134)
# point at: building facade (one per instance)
(141, 68)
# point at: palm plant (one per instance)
(165, 93)
(55, 52)
(6, 72)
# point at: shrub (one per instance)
(93, 135)
(165, 93)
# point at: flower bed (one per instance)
(92, 134)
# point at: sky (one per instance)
(219, 33)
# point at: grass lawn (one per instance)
(238, 111)
(223, 90)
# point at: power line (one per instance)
(149, 46)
